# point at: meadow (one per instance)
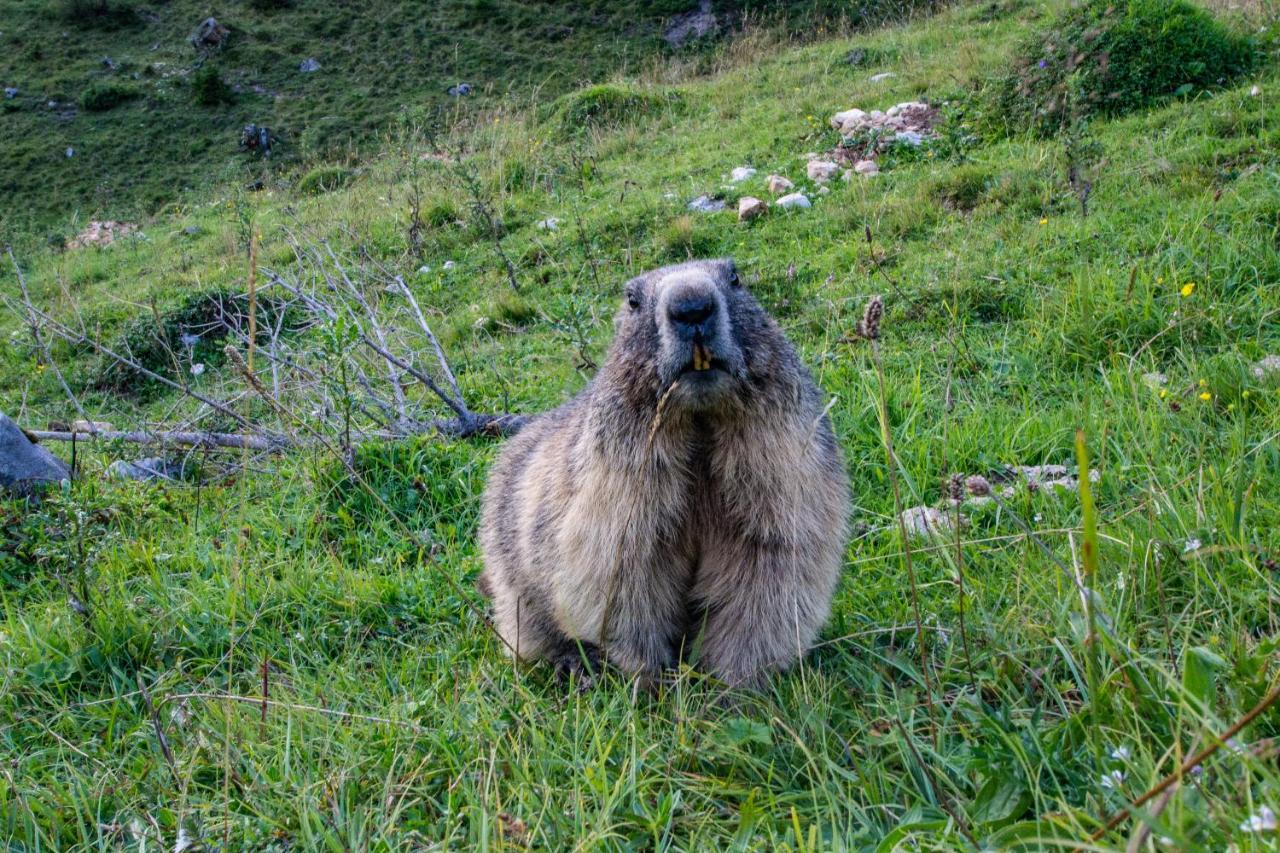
(293, 654)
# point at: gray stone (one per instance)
(25, 467)
(145, 470)
(794, 200)
(706, 204)
(10, 92)
(459, 90)
(695, 24)
(924, 521)
(309, 65)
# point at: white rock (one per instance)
(548, 224)
(741, 174)
(925, 521)
(847, 176)
(796, 200)
(749, 207)
(424, 269)
(866, 167)
(1155, 380)
(1269, 366)
(778, 184)
(706, 204)
(1255, 91)
(823, 190)
(883, 75)
(893, 111)
(822, 170)
(910, 137)
(840, 119)
(92, 426)
(450, 265)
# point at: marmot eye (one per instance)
(734, 281)
(634, 301)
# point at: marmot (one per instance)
(692, 500)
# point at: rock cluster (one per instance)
(911, 120)
(101, 233)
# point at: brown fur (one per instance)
(721, 531)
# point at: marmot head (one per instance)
(695, 324)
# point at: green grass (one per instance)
(154, 128)
(1012, 321)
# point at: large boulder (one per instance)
(25, 467)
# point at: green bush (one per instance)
(209, 89)
(963, 188)
(98, 14)
(607, 106)
(193, 331)
(1113, 56)
(323, 179)
(106, 95)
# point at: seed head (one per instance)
(869, 325)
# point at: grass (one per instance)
(394, 719)
(152, 122)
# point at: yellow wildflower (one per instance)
(1188, 288)
(1044, 220)
(1164, 392)
(1206, 396)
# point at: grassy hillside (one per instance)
(118, 83)
(1013, 319)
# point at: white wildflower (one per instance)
(1120, 753)
(197, 368)
(1112, 779)
(1264, 820)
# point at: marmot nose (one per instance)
(692, 310)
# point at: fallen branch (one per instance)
(494, 425)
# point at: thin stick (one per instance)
(44, 347)
(1188, 765)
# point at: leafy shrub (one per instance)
(209, 89)
(106, 95)
(607, 106)
(194, 331)
(324, 179)
(440, 213)
(963, 188)
(1113, 56)
(98, 14)
(270, 5)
